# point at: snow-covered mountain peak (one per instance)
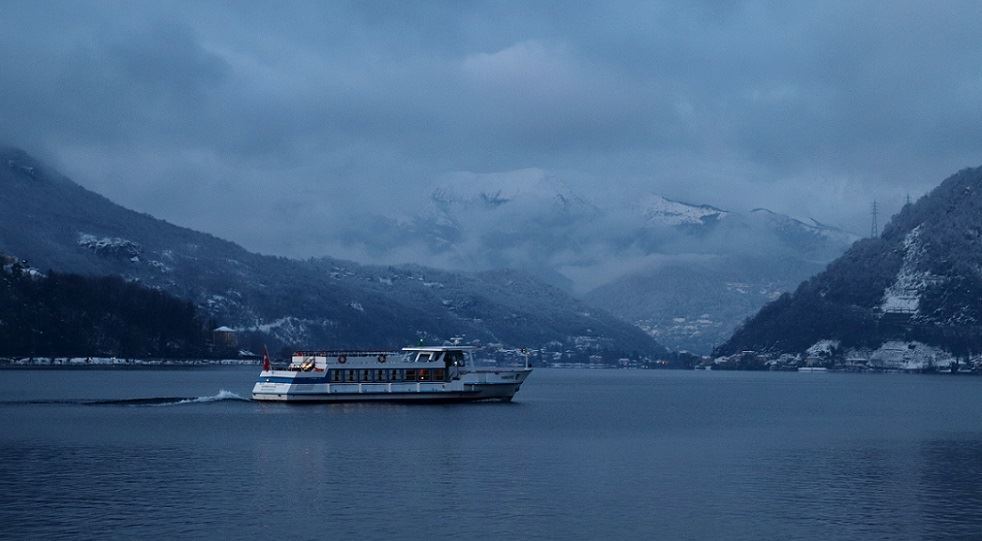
(661, 210)
(809, 225)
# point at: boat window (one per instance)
(350, 375)
(335, 376)
(439, 374)
(410, 374)
(423, 357)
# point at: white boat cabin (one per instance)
(425, 363)
(425, 373)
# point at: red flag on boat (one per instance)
(266, 364)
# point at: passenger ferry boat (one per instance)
(427, 374)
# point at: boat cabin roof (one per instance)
(440, 348)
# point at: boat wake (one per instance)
(221, 396)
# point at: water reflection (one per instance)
(928, 489)
(950, 487)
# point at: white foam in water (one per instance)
(222, 395)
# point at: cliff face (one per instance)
(921, 280)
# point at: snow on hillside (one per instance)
(809, 225)
(903, 296)
(289, 329)
(822, 348)
(660, 210)
(111, 246)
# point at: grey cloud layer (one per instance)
(266, 122)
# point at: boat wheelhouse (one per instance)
(426, 373)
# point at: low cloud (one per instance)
(280, 126)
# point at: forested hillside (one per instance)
(921, 280)
(72, 315)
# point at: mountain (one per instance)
(917, 284)
(694, 301)
(663, 211)
(685, 273)
(56, 224)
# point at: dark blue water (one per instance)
(579, 454)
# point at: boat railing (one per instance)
(346, 352)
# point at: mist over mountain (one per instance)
(917, 283)
(56, 224)
(685, 273)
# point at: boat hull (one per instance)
(503, 393)
(502, 387)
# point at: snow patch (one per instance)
(111, 246)
(663, 211)
(159, 266)
(904, 295)
(822, 348)
(289, 329)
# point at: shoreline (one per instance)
(115, 363)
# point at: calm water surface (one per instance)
(578, 455)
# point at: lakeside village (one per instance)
(747, 360)
(587, 353)
(826, 355)
(229, 349)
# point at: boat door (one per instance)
(454, 361)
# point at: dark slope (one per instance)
(920, 280)
(72, 315)
(56, 224)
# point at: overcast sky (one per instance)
(263, 122)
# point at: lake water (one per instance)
(580, 454)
